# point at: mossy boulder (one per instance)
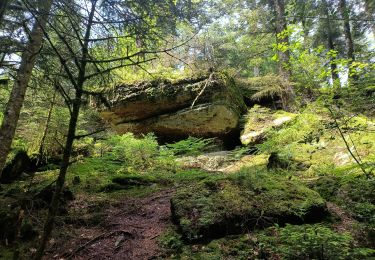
(215, 208)
(355, 193)
(204, 107)
(260, 120)
(21, 163)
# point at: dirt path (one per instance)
(346, 224)
(130, 231)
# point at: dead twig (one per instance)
(202, 90)
(357, 160)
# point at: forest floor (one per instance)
(130, 230)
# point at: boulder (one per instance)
(204, 107)
(21, 163)
(259, 120)
(215, 208)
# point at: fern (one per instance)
(272, 91)
(266, 87)
(190, 146)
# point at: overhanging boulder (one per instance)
(205, 107)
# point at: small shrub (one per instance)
(311, 242)
(140, 153)
(171, 241)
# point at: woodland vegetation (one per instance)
(187, 129)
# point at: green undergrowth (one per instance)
(354, 193)
(249, 199)
(212, 205)
(316, 241)
(191, 146)
(123, 166)
(312, 139)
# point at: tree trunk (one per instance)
(347, 32)
(331, 46)
(370, 9)
(45, 131)
(284, 56)
(281, 26)
(14, 105)
(53, 209)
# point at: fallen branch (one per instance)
(202, 91)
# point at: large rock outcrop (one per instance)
(205, 107)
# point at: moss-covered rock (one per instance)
(21, 163)
(355, 193)
(204, 107)
(260, 120)
(232, 205)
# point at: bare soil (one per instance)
(130, 231)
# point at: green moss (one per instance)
(353, 192)
(213, 208)
(259, 121)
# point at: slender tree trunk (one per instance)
(304, 19)
(53, 209)
(347, 32)
(370, 10)
(45, 131)
(284, 56)
(48, 226)
(348, 38)
(17, 96)
(281, 26)
(331, 46)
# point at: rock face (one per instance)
(204, 107)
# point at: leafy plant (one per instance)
(139, 153)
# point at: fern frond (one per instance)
(268, 92)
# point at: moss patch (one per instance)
(259, 121)
(216, 207)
